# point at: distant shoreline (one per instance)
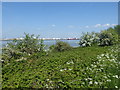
(42, 39)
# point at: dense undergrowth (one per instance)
(95, 64)
(77, 68)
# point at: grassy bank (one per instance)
(81, 67)
(95, 64)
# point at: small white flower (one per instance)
(90, 78)
(70, 69)
(102, 55)
(116, 86)
(105, 76)
(82, 83)
(47, 79)
(90, 82)
(108, 80)
(68, 63)
(96, 82)
(65, 69)
(116, 76)
(61, 70)
(72, 62)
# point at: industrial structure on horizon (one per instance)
(43, 39)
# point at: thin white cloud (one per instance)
(87, 26)
(53, 25)
(113, 24)
(93, 26)
(98, 25)
(106, 25)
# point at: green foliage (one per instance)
(114, 34)
(22, 48)
(60, 46)
(89, 67)
(105, 39)
(88, 39)
(117, 28)
(51, 48)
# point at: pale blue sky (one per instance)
(57, 19)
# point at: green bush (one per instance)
(60, 46)
(114, 34)
(88, 39)
(22, 48)
(117, 29)
(105, 39)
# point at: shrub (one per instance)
(105, 39)
(60, 46)
(117, 29)
(22, 48)
(51, 48)
(88, 39)
(114, 34)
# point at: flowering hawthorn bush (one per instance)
(88, 39)
(105, 39)
(22, 48)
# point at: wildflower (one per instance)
(68, 63)
(116, 86)
(47, 79)
(107, 55)
(61, 70)
(70, 69)
(90, 82)
(116, 76)
(108, 80)
(96, 82)
(102, 55)
(90, 78)
(83, 44)
(105, 76)
(95, 66)
(65, 69)
(83, 83)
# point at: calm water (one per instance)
(73, 43)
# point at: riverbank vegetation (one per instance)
(95, 64)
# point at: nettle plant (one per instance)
(22, 48)
(88, 39)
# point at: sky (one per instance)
(57, 19)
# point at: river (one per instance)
(73, 43)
